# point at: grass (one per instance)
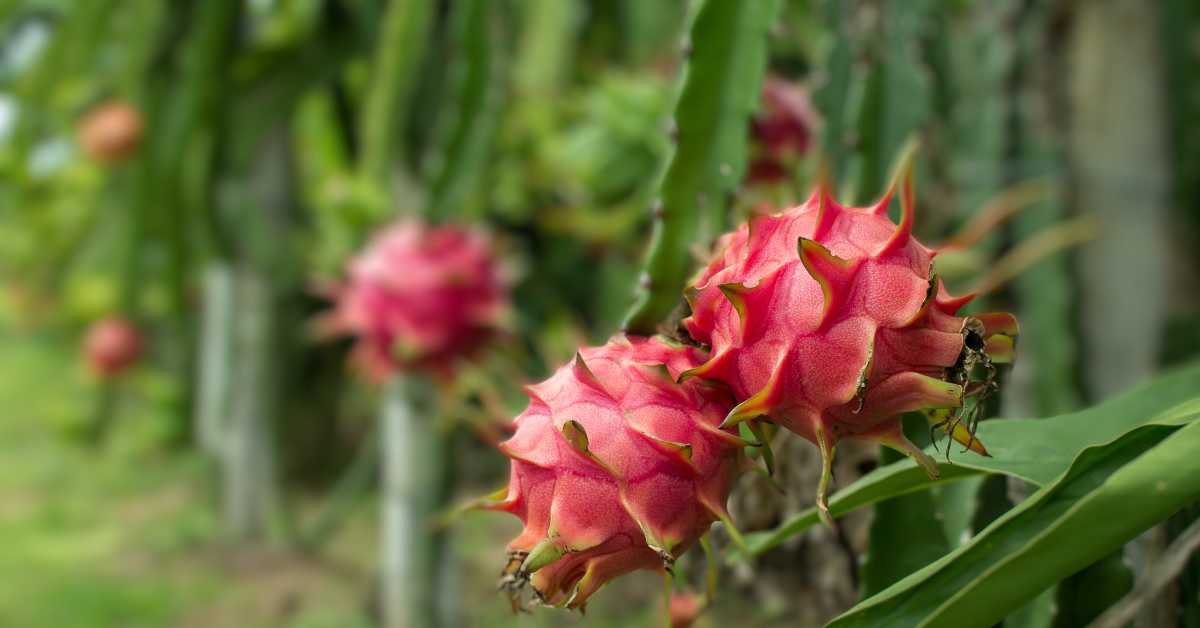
(127, 535)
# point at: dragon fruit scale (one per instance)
(614, 467)
(420, 296)
(830, 321)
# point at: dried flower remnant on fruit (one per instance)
(615, 468)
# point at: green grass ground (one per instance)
(127, 535)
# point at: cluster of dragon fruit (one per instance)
(823, 319)
(826, 320)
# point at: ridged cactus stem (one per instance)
(402, 41)
(460, 153)
(727, 56)
(830, 98)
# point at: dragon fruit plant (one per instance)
(830, 321)
(111, 346)
(614, 467)
(420, 297)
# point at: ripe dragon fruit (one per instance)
(111, 346)
(615, 468)
(830, 321)
(420, 296)
(111, 132)
(782, 130)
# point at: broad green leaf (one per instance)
(1110, 494)
(1036, 450)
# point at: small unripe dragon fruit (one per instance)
(111, 346)
(830, 321)
(420, 296)
(111, 132)
(615, 468)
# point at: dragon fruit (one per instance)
(830, 321)
(684, 608)
(111, 132)
(615, 468)
(111, 346)
(782, 130)
(420, 296)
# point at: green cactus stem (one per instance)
(727, 56)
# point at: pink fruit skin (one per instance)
(614, 468)
(419, 297)
(111, 346)
(828, 319)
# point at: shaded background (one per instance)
(260, 167)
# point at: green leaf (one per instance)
(721, 86)
(1110, 494)
(1037, 450)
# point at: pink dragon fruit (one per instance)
(615, 468)
(830, 321)
(111, 346)
(782, 130)
(420, 296)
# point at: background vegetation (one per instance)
(277, 134)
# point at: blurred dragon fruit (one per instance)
(111, 346)
(111, 132)
(684, 608)
(830, 321)
(615, 468)
(420, 296)
(782, 130)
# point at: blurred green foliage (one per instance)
(280, 133)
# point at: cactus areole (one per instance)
(420, 297)
(615, 467)
(830, 321)
(111, 346)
